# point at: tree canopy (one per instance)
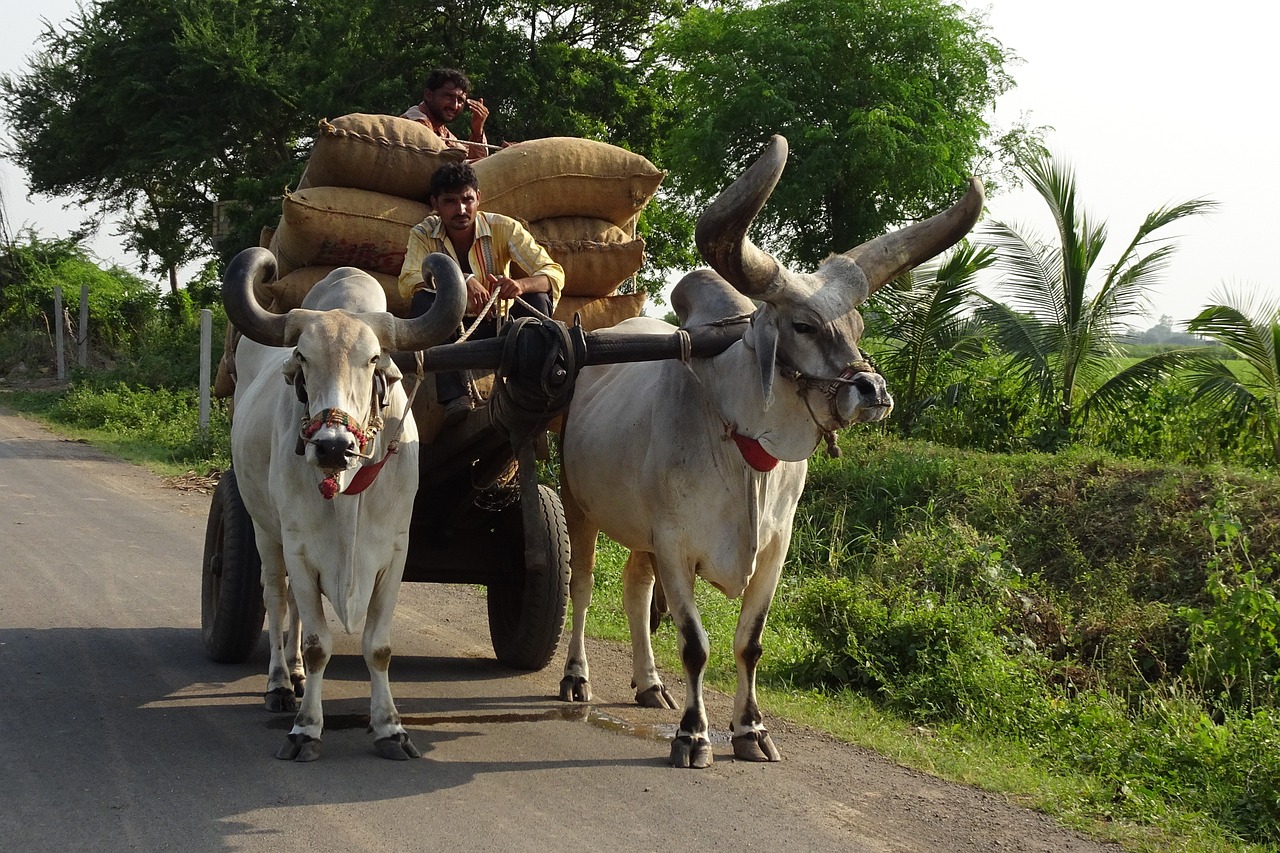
(153, 110)
(883, 102)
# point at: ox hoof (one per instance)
(655, 697)
(299, 747)
(281, 699)
(575, 688)
(687, 752)
(755, 746)
(396, 747)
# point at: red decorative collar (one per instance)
(755, 455)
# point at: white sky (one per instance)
(1152, 103)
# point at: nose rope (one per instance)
(829, 387)
(338, 418)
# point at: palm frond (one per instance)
(1136, 379)
(1031, 271)
(1251, 339)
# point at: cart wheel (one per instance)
(526, 612)
(231, 607)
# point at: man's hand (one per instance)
(479, 113)
(508, 287)
(477, 295)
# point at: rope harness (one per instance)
(828, 387)
(363, 433)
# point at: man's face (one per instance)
(445, 103)
(457, 209)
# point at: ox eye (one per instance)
(803, 328)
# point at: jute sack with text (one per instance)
(597, 255)
(340, 226)
(385, 154)
(566, 176)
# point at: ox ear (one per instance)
(762, 337)
(387, 369)
(294, 376)
(292, 368)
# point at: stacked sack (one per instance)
(580, 199)
(365, 186)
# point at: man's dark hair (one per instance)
(452, 178)
(441, 76)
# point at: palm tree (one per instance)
(924, 320)
(1061, 334)
(1250, 328)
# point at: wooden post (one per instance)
(82, 334)
(59, 345)
(206, 348)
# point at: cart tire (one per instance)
(231, 606)
(526, 612)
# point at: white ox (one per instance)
(309, 422)
(698, 468)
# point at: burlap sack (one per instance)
(287, 293)
(597, 255)
(566, 176)
(600, 312)
(265, 236)
(224, 384)
(384, 154)
(339, 226)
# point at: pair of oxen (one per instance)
(715, 451)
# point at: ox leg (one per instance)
(575, 686)
(637, 598)
(389, 736)
(280, 695)
(303, 742)
(751, 741)
(691, 746)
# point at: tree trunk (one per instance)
(173, 279)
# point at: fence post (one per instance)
(206, 347)
(60, 357)
(83, 332)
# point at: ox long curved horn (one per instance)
(444, 315)
(721, 233)
(251, 267)
(885, 258)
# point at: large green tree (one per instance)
(884, 103)
(1063, 324)
(153, 110)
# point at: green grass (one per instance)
(156, 428)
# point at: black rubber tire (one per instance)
(526, 612)
(231, 607)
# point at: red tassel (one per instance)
(755, 455)
(329, 487)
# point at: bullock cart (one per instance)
(481, 515)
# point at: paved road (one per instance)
(117, 733)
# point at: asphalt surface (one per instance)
(118, 733)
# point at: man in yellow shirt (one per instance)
(485, 245)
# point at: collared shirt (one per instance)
(418, 114)
(500, 241)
